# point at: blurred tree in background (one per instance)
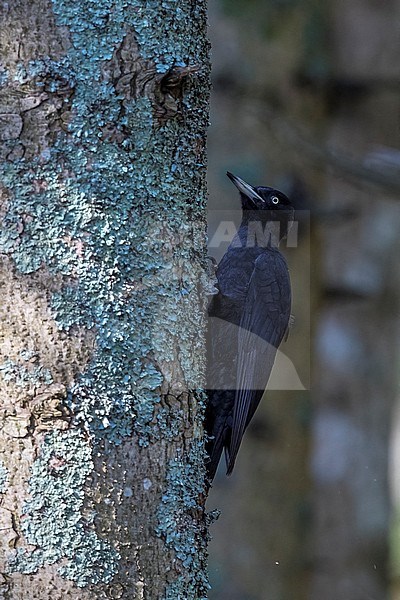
(306, 99)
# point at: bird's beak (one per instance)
(244, 188)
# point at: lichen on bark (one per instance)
(103, 188)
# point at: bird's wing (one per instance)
(263, 324)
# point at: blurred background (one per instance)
(306, 98)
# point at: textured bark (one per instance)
(103, 114)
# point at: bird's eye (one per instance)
(275, 200)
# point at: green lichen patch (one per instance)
(23, 376)
(3, 477)
(117, 220)
(114, 207)
(179, 523)
(52, 519)
(3, 76)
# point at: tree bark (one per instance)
(103, 115)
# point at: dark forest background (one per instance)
(306, 99)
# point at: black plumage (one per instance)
(248, 319)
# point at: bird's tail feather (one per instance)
(217, 446)
(214, 458)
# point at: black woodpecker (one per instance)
(248, 319)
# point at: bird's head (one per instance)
(260, 198)
(264, 204)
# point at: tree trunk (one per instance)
(103, 114)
